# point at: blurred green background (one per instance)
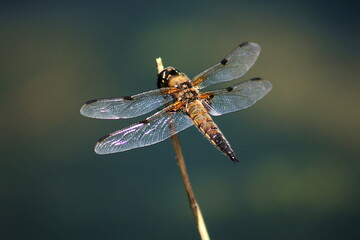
(298, 176)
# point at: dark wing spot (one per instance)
(229, 89)
(91, 101)
(103, 138)
(144, 121)
(128, 98)
(256, 79)
(211, 96)
(243, 44)
(224, 61)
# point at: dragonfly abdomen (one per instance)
(206, 125)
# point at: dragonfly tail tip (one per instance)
(233, 158)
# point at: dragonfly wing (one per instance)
(153, 129)
(236, 97)
(126, 107)
(233, 66)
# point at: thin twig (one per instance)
(192, 200)
(181, 163)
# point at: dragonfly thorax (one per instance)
(189, 94)
(171, 77)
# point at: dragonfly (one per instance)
(183, 104)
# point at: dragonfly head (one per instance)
(165, 76)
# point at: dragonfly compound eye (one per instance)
(165, 75)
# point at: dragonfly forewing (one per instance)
(126, 107)
(233, 66)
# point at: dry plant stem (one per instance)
(181, 163)
(192, 200)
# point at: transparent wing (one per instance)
(236, 97)
(153, 129)
(126, 107)
(233, 66)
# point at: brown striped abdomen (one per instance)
(206, 125)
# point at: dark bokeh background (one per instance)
(299, 147)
